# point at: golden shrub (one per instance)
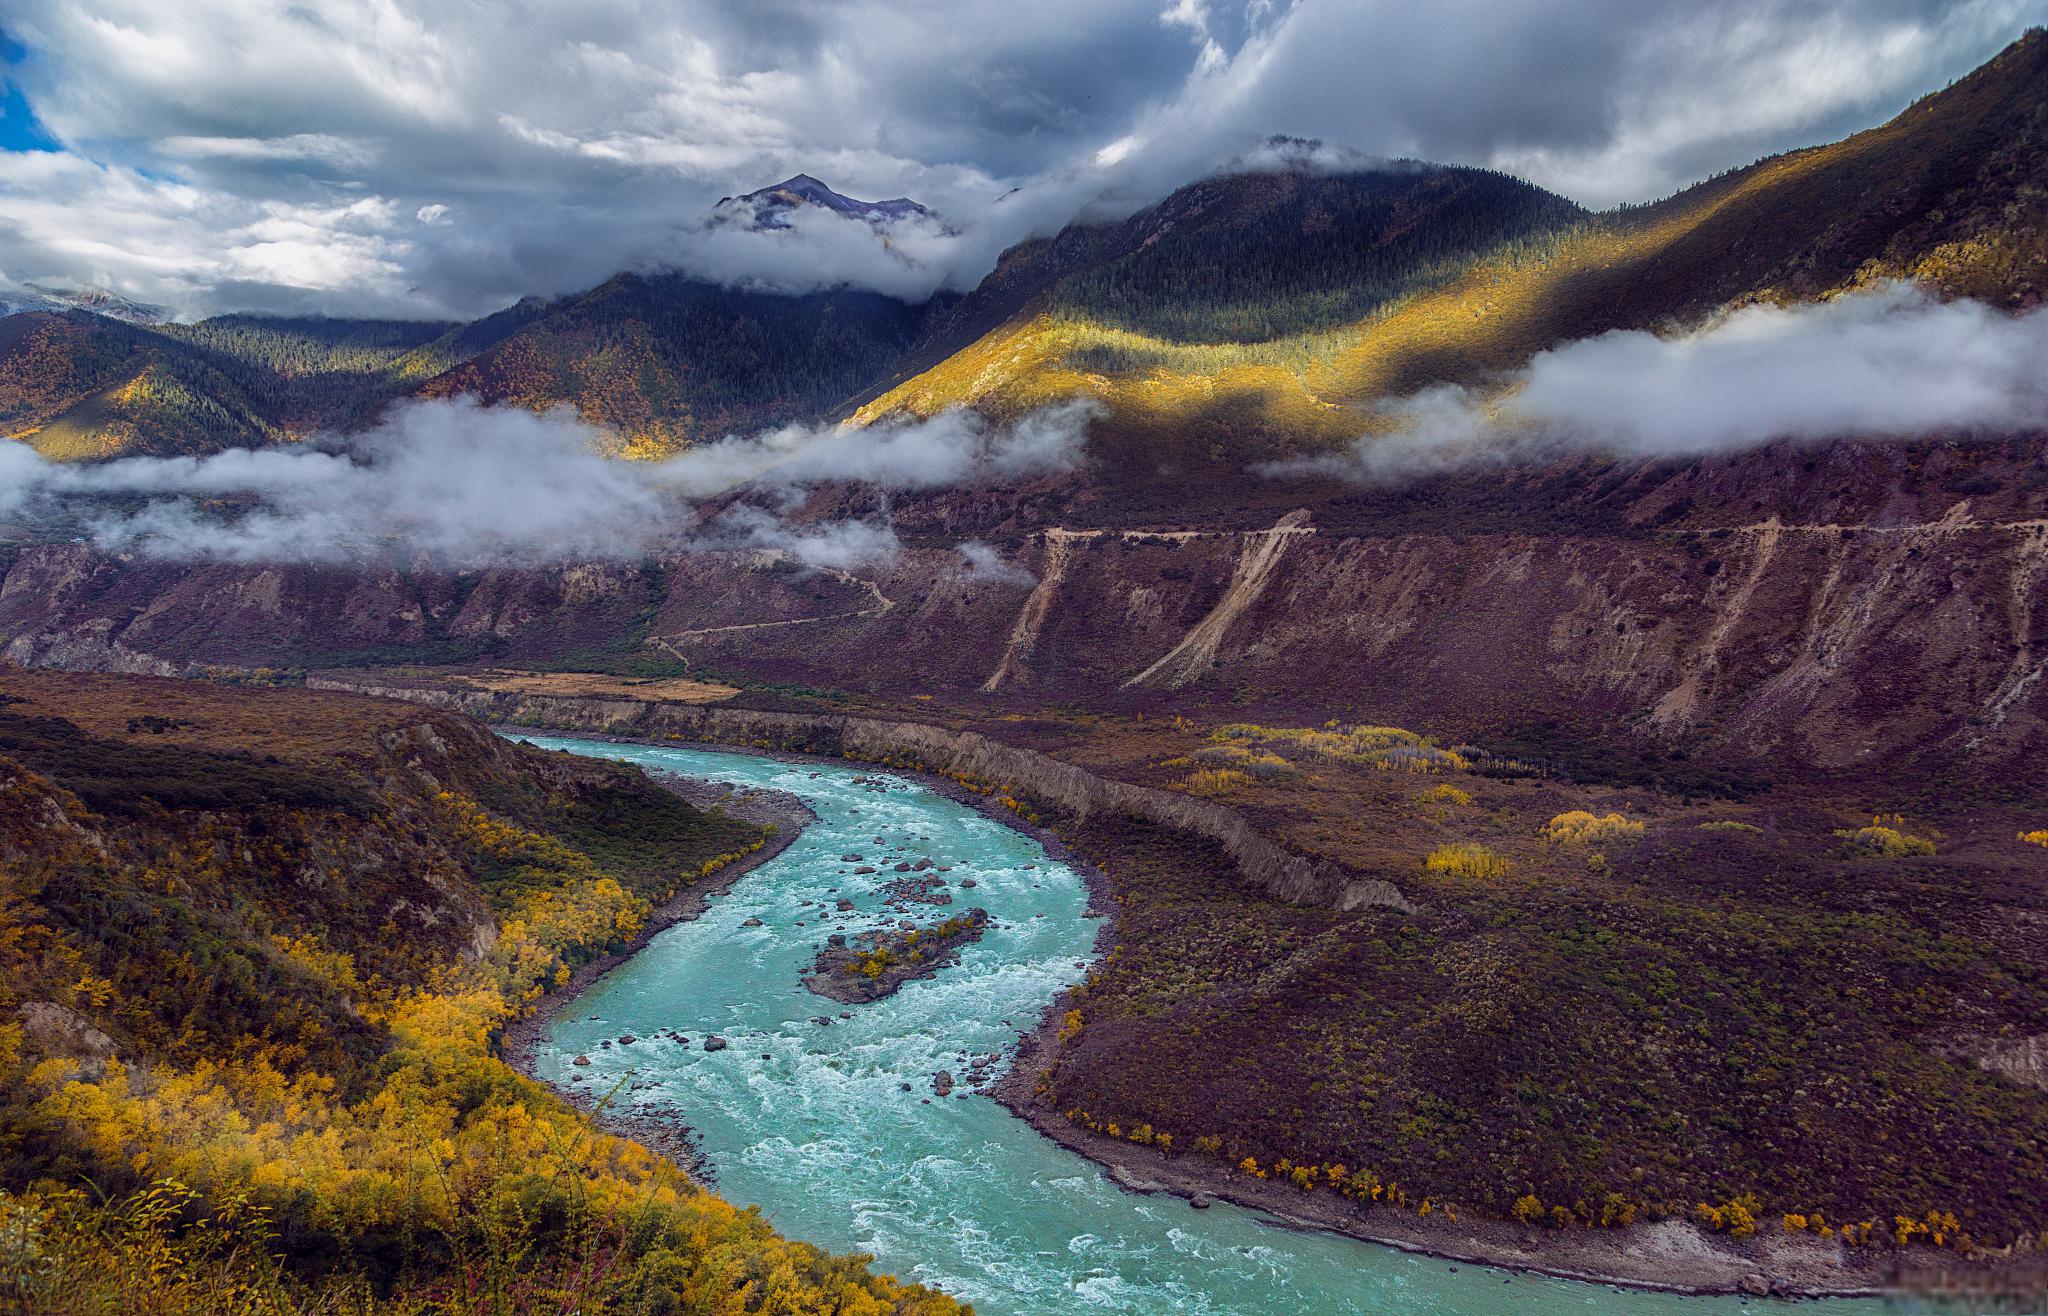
(1467, 859)
(1213, 781)
(1578, 827)
(1885, 838)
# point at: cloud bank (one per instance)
(467, 486)
(443, 158)
(1887, 363)
(952, 448)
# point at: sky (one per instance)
(443, 158)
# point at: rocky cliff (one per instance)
(1846, 609)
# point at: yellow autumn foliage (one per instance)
(1466, 859)
(1578, 827)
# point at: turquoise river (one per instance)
(813, 1124)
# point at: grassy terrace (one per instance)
(1731, 1000)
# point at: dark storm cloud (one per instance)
(435, 157)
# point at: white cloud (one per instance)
(1888, 363)
(955, 447)
(839, 545)
(467, 485)
(984, 565)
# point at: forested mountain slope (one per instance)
(78, 386)
(668, 360)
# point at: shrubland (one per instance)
(1615, 1003)
(252, 1002)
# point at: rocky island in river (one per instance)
(877, 963)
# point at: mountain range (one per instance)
(1270, 303)
(1771, 603)
(771, 206)
(1760, 1004)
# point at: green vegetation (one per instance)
(662, 359)
(79, 386)
(248, 1039)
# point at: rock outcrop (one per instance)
(50, 1031)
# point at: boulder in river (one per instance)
(580, 1060)
(751, 923)
(942, 1083)
(714, 1043)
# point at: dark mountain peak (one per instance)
(809, 188)
(771, 205)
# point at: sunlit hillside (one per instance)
(1949, 192)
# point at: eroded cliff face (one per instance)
(1849, 609)
(1263, 863)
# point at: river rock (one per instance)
(863, 870)
(580, 1060)
(845, 905)
(942, 1083)
(969, 882)
(751, 923)
(1201, 1201)
(1755, 1284)
(714, 1043)
(903, 867)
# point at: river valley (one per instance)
(835, 1129)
